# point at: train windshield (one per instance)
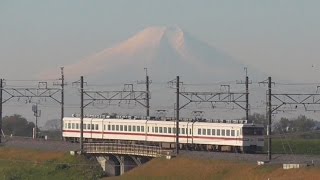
(252, 131)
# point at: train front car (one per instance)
(253, 138)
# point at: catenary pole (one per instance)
(0, 109)
(177, 116)
(81, 115)
(62, 102)
(269, 118)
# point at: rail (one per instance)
(127, 149)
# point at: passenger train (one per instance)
(194, 134)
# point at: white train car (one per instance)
(192, 134)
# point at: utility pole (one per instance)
(81, 115)
(177, 116)
(0, 108)
(62, 102)
(269, 118)
(148, 93)
(247, 92)
(247, 97)
(36, 113)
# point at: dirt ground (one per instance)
(184, 167)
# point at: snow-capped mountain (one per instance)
(165, 51)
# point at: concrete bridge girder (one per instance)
(115, 165)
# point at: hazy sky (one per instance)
(279, 37)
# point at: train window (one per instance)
(138, 128)
(252, 131)
(92, 126)
(109, 127)
(208, 131)
(88, 126)
(121, 127)
(69, 125)
(160, 129)
(204, 131)
(183, 131)
(97, 127)
(84, 126)
(77, 126)
(142, 128)
(148, 129)
(165, 130)
(173, 130)
(125, 128)
(117, 127)
(133, 128)
(152, 129)
(113, 127)
(199, 131)
(218, 132)
(228, 132)
(156, 129)
(65, 125)
(72, 126)
(169, 130)
(232, 133)
(213, 132)
(223, 132)
(190, 131)
(129, 128)
(238, 133)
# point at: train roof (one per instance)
(151, 119)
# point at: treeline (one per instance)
(285, 125)
(16, 125)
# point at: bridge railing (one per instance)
(129, 149)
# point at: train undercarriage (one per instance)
(183, 146)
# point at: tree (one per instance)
(17, 126)
(299, 124)
(284, 125)
(53, 125)
(302, 124)
(257, 118)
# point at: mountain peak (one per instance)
(155, 47)
(154, 34)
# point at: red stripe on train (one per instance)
(152, 135)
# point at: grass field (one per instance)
(191, 168)
(28, 164)
(298, 146)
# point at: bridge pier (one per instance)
(115, 159)
(137, 160)
(121, 163)
(116, 165)
(103, 161)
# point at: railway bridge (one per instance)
(115, 158)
